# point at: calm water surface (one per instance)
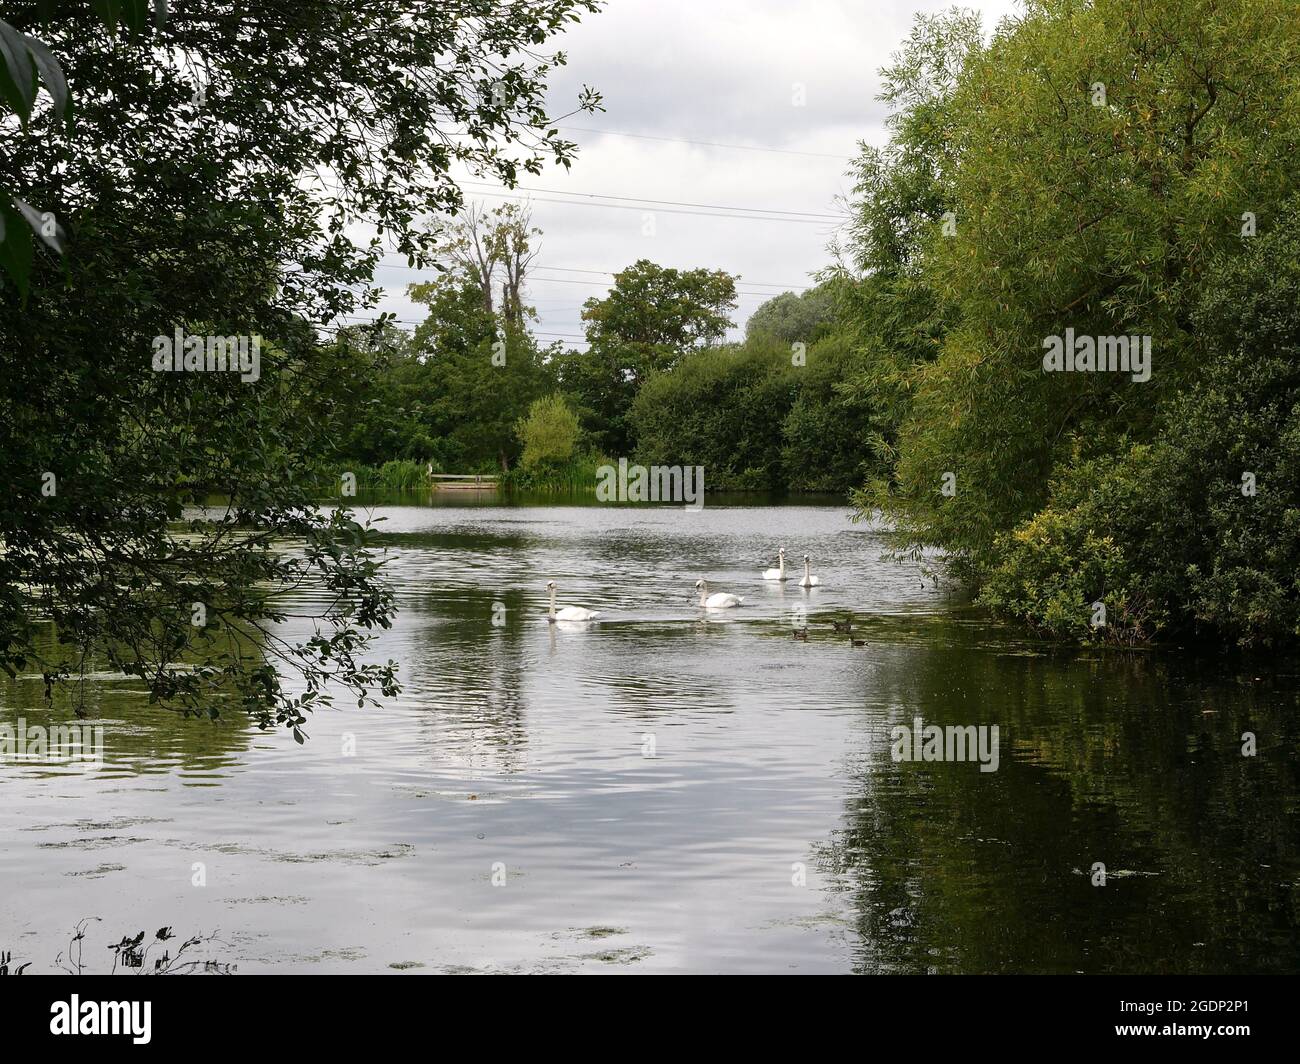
(664, 791)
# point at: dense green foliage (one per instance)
(467, 379)
(1201, 527)
(802, 318)
(650, 319)
(758, 417)
(451, 392)
(720, 408)
(655, 384)
(826, 435)
(1097, 166)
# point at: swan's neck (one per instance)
(704, 593)
(552, 614)
(805, 568)
(781, 558)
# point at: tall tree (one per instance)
(887, 302)
(651, 317)
(474, 378)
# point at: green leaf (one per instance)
(16, 247)
(48, 229)
(51, 73)
(107, 10)
(136, 14)
(17, 74)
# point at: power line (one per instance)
(406, 321)
(572, 338)
(664, 210)
(705, 143)
(603, 273)
(671, 203)
(599, 284)
(755, 284)
(534, 279)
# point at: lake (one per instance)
(667, 790)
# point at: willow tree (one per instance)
(1096, 158)
(233, 170)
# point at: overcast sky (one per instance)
(798, 80)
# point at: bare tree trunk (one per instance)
(480, 242)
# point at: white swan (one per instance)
(719, 601)
(808, 579)
(569, 613)
(776, 574)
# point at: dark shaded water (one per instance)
(670, 791)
